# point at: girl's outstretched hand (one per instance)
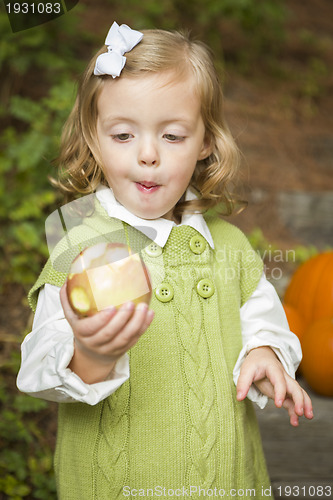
(100, 340)
(263, 368)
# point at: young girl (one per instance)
(147, 136)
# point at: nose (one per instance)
(148, 153)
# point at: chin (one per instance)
(157, 216)
(148, 214)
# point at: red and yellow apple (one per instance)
(105, 275)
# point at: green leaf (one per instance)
(26, 234)
(13, 488)
(26, 404)
(13, 462)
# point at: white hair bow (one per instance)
(119, 40)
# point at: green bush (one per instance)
(26, 456)
(43, 56)
(260, 21)
(24, 188)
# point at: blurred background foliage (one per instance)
(38, 72)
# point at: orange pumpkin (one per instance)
(295, 320)
(317, 363)
(311, 288)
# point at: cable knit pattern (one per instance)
(176, 422)
(112, 445)
(201, 436)
(196, 370)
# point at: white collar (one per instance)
(157, 229)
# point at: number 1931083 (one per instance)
(33, 8)
(304, 491)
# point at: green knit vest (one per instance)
(175, 427)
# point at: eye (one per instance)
(122, 137)
(173, 138)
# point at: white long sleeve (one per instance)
(264, 323)
(46, 353)
(48, 349)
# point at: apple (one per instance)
(104, 275)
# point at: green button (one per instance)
(164, 292)
(197, 244)
(153, 250)
(205, 288)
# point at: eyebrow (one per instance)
(108, 121)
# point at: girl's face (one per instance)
(151, 135)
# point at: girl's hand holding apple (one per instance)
(107, 334)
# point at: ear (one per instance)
(206, 149)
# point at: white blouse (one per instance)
(48, 349)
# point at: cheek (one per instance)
(187, 164)
(110, 173)
(114, 164)
(182, 177)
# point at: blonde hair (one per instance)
(81, 169)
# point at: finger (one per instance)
(296, 393)
(308, 409)
(294, 412)
(121, 341)
(115, 325)
(245, 379)
(289, 405)
(265, 387)
(148, 320)
(275, 376)
(84, 326)
(139, 322)
(133, 329)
